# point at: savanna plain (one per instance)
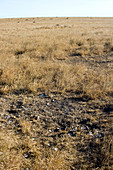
(56, 93)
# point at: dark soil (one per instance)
(80, 127)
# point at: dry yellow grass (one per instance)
(34, 55)
(18, 153)
(52, 55)
(53, 76)
(23, 152)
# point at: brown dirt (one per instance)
(72, 124)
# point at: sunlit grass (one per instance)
(53, 55)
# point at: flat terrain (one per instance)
(56, 93)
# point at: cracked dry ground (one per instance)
(78, 126)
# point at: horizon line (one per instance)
(58, 17)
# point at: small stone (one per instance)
(7, 116)
(26, 108)
(56, 149)
(27, 169)
(33, 139)
(91, 134)
(26, 155)
(73, 129)
(77, 127)
(10, 121)
(34, 101)
(50, 130)
(83, 128)
(43, 95)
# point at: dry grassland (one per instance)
(35, 55)
(55, 56)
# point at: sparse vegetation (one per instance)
(67, 57)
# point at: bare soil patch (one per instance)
(79, 127)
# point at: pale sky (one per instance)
(53, 8)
